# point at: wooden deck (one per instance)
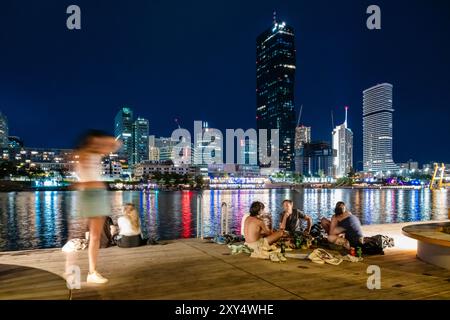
(197, 269)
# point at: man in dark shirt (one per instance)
(291, 219)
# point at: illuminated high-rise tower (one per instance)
(302, 136)
(377, 129)
(343, 144)
(140, 140)
(4, 132)
(123, 131)
(275, 83)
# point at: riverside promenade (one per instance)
(199, 269)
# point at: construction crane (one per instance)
(332, 119)
(438, 177)
(176, 121)
(299, 116)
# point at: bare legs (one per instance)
(95, 230)
(336, 236)
(325, 223)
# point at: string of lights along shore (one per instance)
(144, 151)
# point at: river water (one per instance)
(46, 219)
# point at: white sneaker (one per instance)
(96, 277)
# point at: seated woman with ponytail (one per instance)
(129, 228)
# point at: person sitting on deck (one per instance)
(291, 219)
(257, 235)
(264, 216)
(107, 237)
(129, 228)
(344, 228)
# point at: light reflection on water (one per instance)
(46, 219)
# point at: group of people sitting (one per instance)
(343, 229)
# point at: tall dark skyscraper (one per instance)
(140, 140)
(123, 131)
(275, 83)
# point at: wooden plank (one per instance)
(196, 269)
(18, 282)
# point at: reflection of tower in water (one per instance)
(439, 204)
(368, 206)
(425, 204)
(117, 202)
(199, 215)
(186, 214)
(388, 205)
(151, 226)
(208, 212)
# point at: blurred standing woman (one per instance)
(94, 204)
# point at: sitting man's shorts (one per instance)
(260, 248)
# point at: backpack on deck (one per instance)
(106, 239)
(317, 231)
(376, 244)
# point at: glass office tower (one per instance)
(377, 129)
(275, 82)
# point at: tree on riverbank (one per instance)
(7, 169)
(174, 180)
(12, 169)
(344, 182)
(199, 182)
(297, 178)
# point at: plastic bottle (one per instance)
(298, 243)
(359, 252)
(352, 252)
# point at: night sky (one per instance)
(195, 60)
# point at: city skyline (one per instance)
(414, 100)
(377, 101)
